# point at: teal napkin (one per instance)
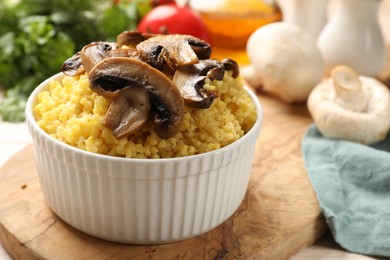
(352, 183)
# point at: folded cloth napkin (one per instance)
(352, 183)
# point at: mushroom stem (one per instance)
(128, 111)
(348, 89)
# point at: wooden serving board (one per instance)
(278, 217)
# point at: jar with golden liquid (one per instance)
(231, 22)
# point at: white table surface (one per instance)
(14, 137)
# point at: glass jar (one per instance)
(231, 22)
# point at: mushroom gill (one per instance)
(109, 76)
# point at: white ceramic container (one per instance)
(142, 201)
(310, 15)
(353, 37)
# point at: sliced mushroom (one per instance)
(112, 74)
(175, 50)
(190, 81)
(73, 66)
(93, 53)
(201, 48)
(128, 111)
(231, 65)
(132, 38)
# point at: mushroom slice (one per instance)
(201, 48)
(231, 65)
(132, 38)
(93, 53)
(190, 81)
(176, 50)
(73, 65)
(112, 74)
(128, 111)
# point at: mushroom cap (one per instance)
(335, 121)
(286, 59)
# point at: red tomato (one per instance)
(172, 19)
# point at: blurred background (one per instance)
(37, 36)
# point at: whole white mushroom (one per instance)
(351, 107)
(286, 61)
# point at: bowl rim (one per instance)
(30, 119)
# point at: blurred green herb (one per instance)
(37, 36)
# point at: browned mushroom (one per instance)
(175, 50)
(73, 66)
(128, 111)
(112, 74)
(231, 65)
(190, 81)
(93, 53)
(132, 38)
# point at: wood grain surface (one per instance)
(278, 217)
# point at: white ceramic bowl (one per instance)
(142, 201)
